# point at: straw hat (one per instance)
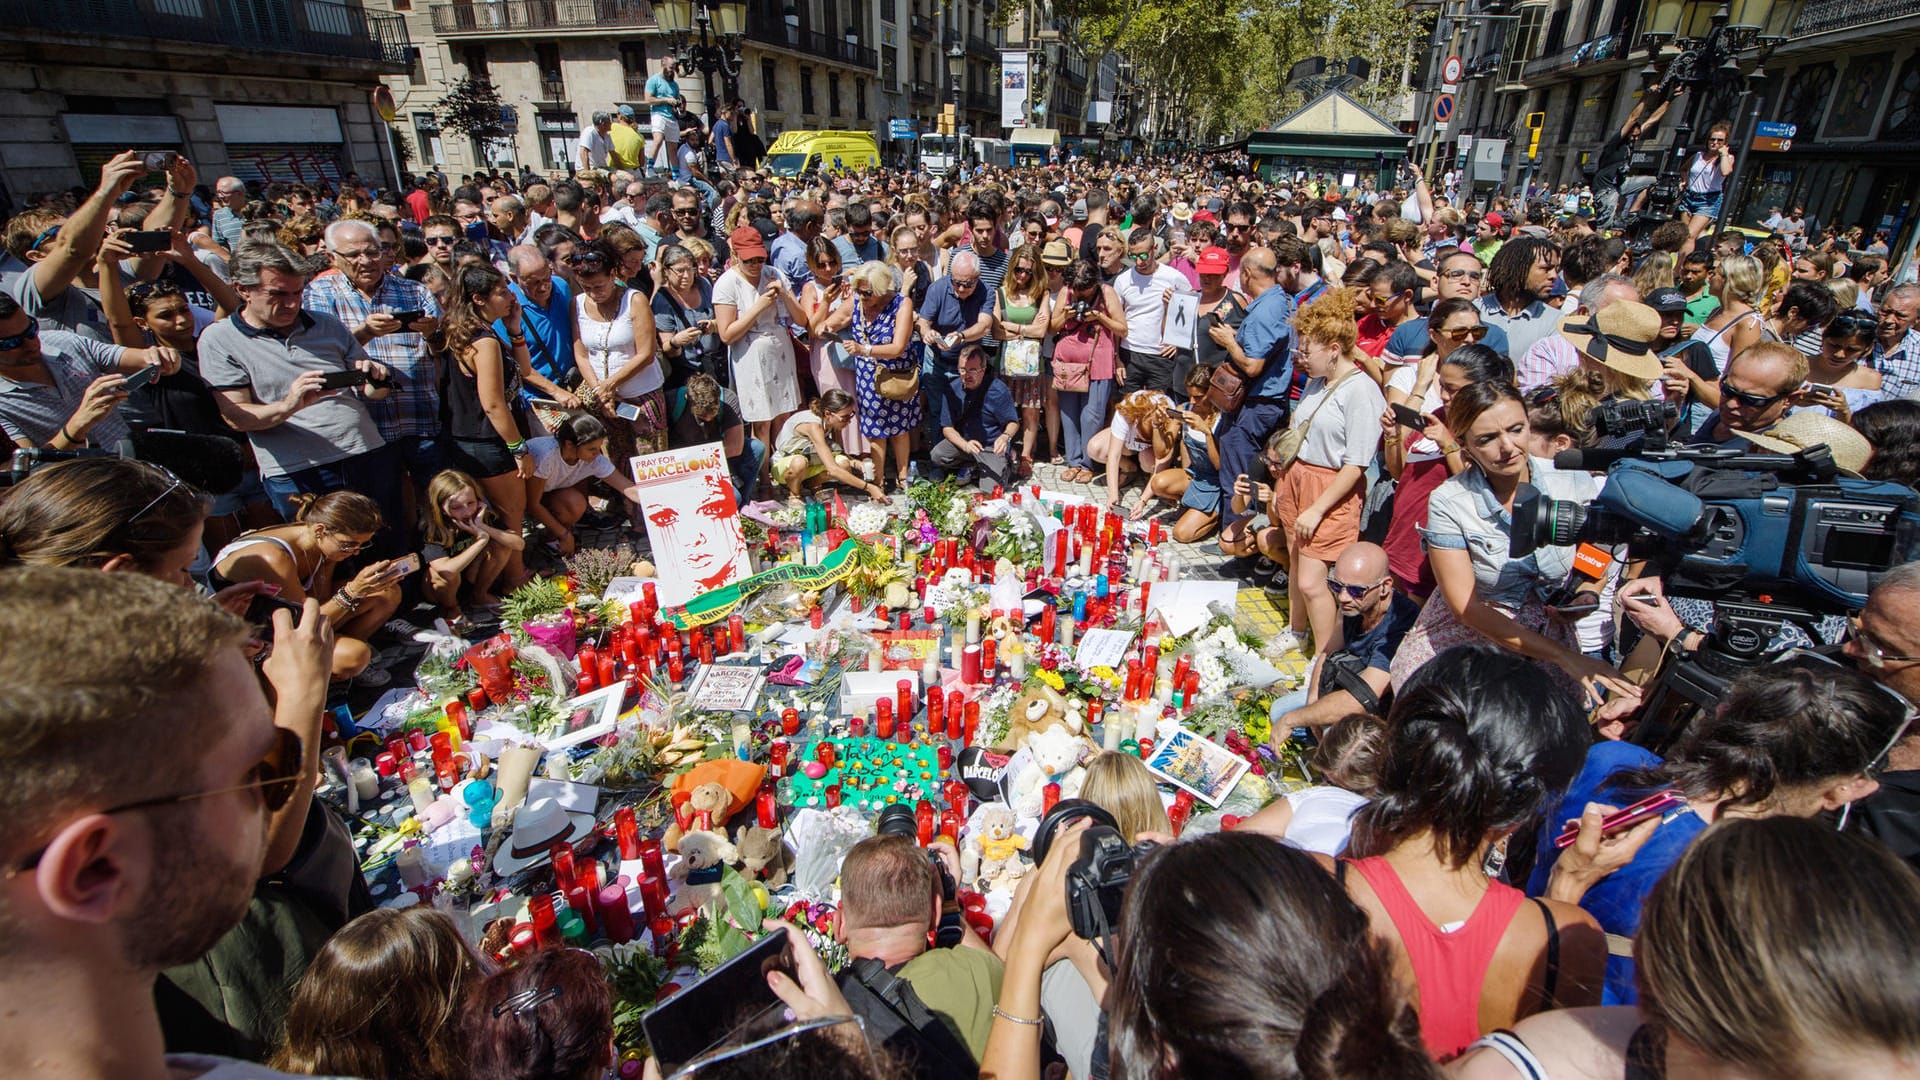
(1620, 336)
(536, 828)
(1809, 428)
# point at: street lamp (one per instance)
(688, 24)
(956, 69)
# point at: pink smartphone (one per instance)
(1620, 820)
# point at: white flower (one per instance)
(867, 518)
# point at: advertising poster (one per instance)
(693, 522)
(1013, 89)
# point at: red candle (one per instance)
(935, 703)
(833, 796)
(880, 612)
(1048, 615)
(1093, 713)
(777, 755)
(652, 898)
(651, 596)
(477, 698)
(970, 665)
(457, 712)
(1180, 669)
(923, 822)
(1060, 551)
(950, 825)
(607, 671)
(582, 905)
(637, 611)
(1181, 809)
(1146, 594)
(956, 792)
(662, 928)
(906, 620)
(706, 651)
(1146, 749)
(883, 718)
(790, 722)
(817, 618)
(653, 859)
(903, 698)
(972, 725)
(386, 764)
(945, 752)
(615, 916)
(766, 809)
(929, 615)
(546, 928)
(1049, 795)
(676, 668)
(823, 752)
(682, 811)
(857, 726)
(523, 942)
(563, 865)
(626, 832)
(971, 720)
(903, 732)
(989, 658)
(416, 740)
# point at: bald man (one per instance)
(1349, 675)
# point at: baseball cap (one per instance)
(1494, 219)
(1056, 253)
(627, 111)
(747, 243)
(1212, 261)
(1666, 300)
(1538, 232)
(1079, 210)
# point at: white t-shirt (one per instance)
(598, 146)
(1346, 429)
(1402, 379)
(549, 465)
(736, 290)
(1128, 435)
(1141, 295)
(222, 1068)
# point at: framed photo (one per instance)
(590, 717)
(1198, 765)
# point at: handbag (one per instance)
(1020, 358)
(1228, 388)
(896, 384)
(1295, 437)
(1072, 376)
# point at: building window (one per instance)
(559, 133)
(546, 57)
(806, 91)
(416, 67)
(633, 69)
(474, 58)
(403, 5)
(860, 98)
(833, 95)
(769, 98)
(428, 148)
(888, 10)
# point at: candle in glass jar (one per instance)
(790, 722)
(989, 657)
(626, 832)
(653, 859)
(366, 782)
(766, 808)
(970, 665)
(883, 720)
(903, 697)
(1049, 796)
(973, 627)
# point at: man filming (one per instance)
(1611, 185)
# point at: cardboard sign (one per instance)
(693, 521)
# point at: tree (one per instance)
(472, 108)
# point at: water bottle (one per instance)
(913, 472)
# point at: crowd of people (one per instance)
(355, 400)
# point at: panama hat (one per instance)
(536, 829)
(1620, 336)
(1811, 427)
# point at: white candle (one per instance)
(1110, 726)
(1086, 560)
(366, 782)
(1017, 664)
(1066, 631)
(874, 659)
(973, 628)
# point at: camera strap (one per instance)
(933, 1037)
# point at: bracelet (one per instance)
(347, 599)
(516, 446)
(516, 339)
(1004, 1015)
(72, 439)
(1449, 448)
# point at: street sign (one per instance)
(1451, 70)
(1443, 108)
(1768, 129)
(899, 128)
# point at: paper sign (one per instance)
(1183, 314)
(1100, 648)
(860, 689)
(1183, 605)
(693, 522)
(725, 688)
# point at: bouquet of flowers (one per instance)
(868, 518)
(1016, 539)
(948, 505)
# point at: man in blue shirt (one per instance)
(1262, 352)
(663, 97)
(546, 316)
(977, 422)
(788, 252)
(858, 244)
(1374, 619)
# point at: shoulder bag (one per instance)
(1296, 436)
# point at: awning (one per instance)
(1034, 137)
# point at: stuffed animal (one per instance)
(708, 805)
(763, 854)
(1054, 758)
(992, 858)
(703, 855)
(1038, 708)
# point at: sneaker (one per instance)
(401, 628)
(1286, 640)
(1264, 569)
(374, 677)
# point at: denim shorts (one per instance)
(478, 458)
(1703, 203)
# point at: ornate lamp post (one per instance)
(705, 36)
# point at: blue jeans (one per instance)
(375, 474)
(1283, 705)
(745, 469)
(1082, 415)
(1245, 437)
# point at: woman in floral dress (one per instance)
(882, 331)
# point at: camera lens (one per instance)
(1064, 812)
(897, 820)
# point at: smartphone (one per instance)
(142, 377)
(148, 241)
(159, 160)
(341, 380)
(1821, 388)
(1619, 821)
(733, 1000)
(626, 411)
(1406, 417)
(705, 326)
(404, 565)
(261, 608)
(409, 317)
(1585, 604)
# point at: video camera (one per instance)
(1715, 523)
(1097, 881)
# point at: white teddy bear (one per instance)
(1054, 758)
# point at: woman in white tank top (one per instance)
(615, 349)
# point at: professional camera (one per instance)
(1097, 880)
(897, 820)
(26, 459)
(1713, 522)
(1627, 416)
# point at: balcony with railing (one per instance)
(503, 17)
(979, 101)
(922, 28)
(636, 86)
(923, 93)
(1826, 16)
(770, 30)
(982, 48)
(313, 27)
(553, 89)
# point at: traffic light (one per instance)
(1535, 121)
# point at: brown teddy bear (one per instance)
(708, 804)
(763, 854)
(1038, 708)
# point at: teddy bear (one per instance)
(703, 855)
(1039, 708)
(992, 858)
(707, 805)
(1054, 758)
(763, 854)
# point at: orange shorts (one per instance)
(1297, 488)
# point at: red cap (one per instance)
(1204, 215)
(1494, 219)
(747, 243)
(1212, 261)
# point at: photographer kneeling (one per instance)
(926, 1007)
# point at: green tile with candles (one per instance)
(870, 773)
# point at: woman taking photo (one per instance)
(1477, 744)
(803, 455)
(1317, 497)
(300, 560)
(827, 298)
(615, 350)
(482, 412)
(1021, 316)
(1088, 324)
(759, 349)
(466, 549)
(1841, 384)
(564, 463)
(1421, 458)
(879, 327)
(1795, 738)
(1483, 594)
(683, 316)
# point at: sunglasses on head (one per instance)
(1751, 401)
(276, 775)
(590, 260)
(32, 331)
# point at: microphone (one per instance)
(1594, 459)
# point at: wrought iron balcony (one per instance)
(315, 29)
(982, 48)
(519, 16)
(1826, 16)
(770, 30)
(923, 93)
(922, 28)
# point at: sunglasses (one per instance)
(49, 233)
(436, 241)
(1351, 592)
(276, 775)
(1852, 326)
(1464, 275)
(174, 484)
(32, 331)
(965, 283)
(1470, 333)
(1751, 401)
(587, 259)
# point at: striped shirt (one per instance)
(414, 406)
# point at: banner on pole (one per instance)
(1013, 88)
